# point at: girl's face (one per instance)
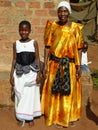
(24, 32)
(63, 15)
(85, 49)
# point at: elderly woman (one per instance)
(61, 95)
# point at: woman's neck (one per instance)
(67, 23)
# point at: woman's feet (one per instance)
(72, 124)
(58, 126)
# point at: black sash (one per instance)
(61, 83)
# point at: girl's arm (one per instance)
(37, 54)
(13, 65)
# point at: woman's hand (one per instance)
(45, 72)
(78, 72)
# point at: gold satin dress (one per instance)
(64, 41)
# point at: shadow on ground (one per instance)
(90, 114)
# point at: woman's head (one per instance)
(24, 29)
(63, 10)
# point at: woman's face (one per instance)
(63, 14)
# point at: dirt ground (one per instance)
(89, 115)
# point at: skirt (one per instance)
(27, 96)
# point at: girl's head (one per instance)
(85, 47)
(24, 29)
(63, 10)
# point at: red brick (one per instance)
(4, 37)
(39, 29)
(5, 3)
(1, 46)
(8, 46)
(35, 22)
(15, 37)
(34, 5)
(20, 4)
(4, 21)
(49, 5)
(43, 21)
(53, 13)
(10, 29)
(2, 12)
(4, 53)
(27, 12)
(41, 12)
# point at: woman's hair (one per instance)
(24, 22)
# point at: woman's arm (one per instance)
(46, 56)
(37, 57)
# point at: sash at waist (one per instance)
(61, 82)
(52, 57)
(25, 69)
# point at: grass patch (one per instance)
(95, 79)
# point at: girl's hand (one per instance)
(38, 78)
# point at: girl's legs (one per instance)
(31, 123)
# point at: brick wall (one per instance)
(11, 13)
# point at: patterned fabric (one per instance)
(20, 70)
(64, 42)
(61, 83)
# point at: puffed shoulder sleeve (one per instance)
(79, 36)
(48, 34)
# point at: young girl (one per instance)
(25, 76)
(84, 59)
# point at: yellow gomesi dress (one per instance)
(64, 41)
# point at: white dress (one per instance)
(27, 92)
(84, 62)
(84, 59)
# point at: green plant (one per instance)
(95, 78)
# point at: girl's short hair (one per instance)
(24, 22)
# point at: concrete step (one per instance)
(5, 90)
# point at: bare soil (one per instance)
(89, 114)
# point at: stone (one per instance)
(87, 87)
